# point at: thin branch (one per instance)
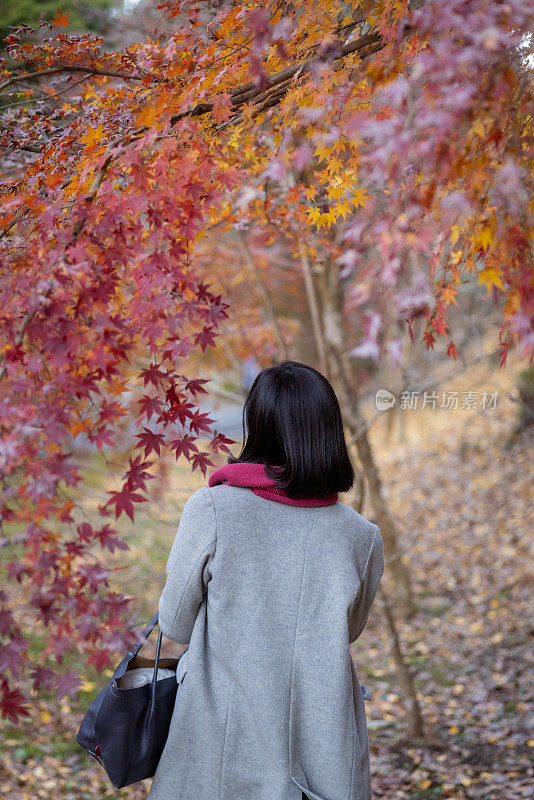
(49, 97)
(311, 294)
(269, 307)
(74, 68)
(425, 388)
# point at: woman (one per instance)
(269, 580)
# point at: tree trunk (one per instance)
(415, 729)
(328, 331)
(332, 330)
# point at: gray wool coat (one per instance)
(269, 596)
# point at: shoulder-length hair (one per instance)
(292, 419)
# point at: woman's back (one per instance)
(269, 596)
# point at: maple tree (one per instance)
(400, 134)
(395, 263)
(94, 16)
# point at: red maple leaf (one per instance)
(178, 348)
(206, 338)
(108, 537)
(68, 683)
(60, 20)
(152, 374)
(42, 676)
(452, 350)
(428, 337)
(100, 658)
(186, 445)
(59, 645)
(149, 406)
(195, 385)
(201, 460)
(440, 326)
(103, 438)
(93, 574)
(12, 703)
(220, 442)
(137, 476)
(200, 421)
(124, 501)
(150, 441)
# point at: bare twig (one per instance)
(73, 68)
(269, 307)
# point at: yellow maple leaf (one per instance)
(484, 237)
(92, 137)
(343, 209)
(336, 190)
(359, 198)
(322, 152)
(478, 128)
(90, 93)
(512, 305)
(456, 257)
(449, 294)
(148, 115)
(327, 219)
(334, 165)
(314, 215)
(491, 277)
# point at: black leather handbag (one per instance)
(126, 729)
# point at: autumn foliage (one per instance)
(400, 137)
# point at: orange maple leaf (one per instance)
(93, 136)
(60, 20)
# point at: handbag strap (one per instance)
(146, 633)
(149, 627)
(155, 675)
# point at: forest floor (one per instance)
(463, 504)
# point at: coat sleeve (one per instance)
(374, 567)
(188, 567)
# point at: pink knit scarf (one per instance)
(252, 476)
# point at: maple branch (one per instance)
(50, 97)
(69, 68)
(240, 96)
(20, 335)
(250, 91)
